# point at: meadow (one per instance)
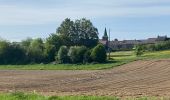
(34, 96)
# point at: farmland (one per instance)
(125, 76)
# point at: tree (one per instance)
(87, 56)
(4, 52)
(66, 27)
(55, 40)
(62, 55)
(99, 54)
(139, 50)
(80, 33)
(26, 43)
(73, 54)
(49, 52)
(11, 53)
(85, 33)
(80, 53)
(36, 53)
(17, 54)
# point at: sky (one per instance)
(127, 19)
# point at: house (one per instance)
(128, 44)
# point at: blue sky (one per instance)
(127, 19)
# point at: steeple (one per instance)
(105, 36)
(105, 33)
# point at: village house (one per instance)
(128, 44)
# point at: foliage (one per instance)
(73, 54)
(11, 53)
(80, 53)
(99, 54)
(49, 52)
(79, 36)
(139, 50)
(79, 33)
(36, 51)
(87, 56)
(62, 55)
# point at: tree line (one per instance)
(74, 42)
(140, 49)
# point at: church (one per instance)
(117, 45)
(105, 39)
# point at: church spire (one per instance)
(105, 36)
(105, 33)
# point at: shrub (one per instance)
(80, 53)
(139, 50)
(73, 54)
(87, 57)
(99, 54)
(36, 51)
(62, 55)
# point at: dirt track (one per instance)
(148, 78)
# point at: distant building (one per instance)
(128, 44)
(105, 39)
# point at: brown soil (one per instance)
(139, 78)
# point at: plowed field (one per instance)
(139, 78)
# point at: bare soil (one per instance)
(139, 78)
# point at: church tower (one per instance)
(105, 36)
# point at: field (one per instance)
(145, 76)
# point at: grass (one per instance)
(61, 66)
(33, 96)
(119, 58)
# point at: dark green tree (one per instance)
(79, 33)
(85, 33)
(49, 52)
(80, 53)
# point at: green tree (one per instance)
(87, 56)
(17, 54)
(66, 28)
(26, 43)
(49, 52)
(62, 55)
(36, 53)
(73, 54)
(80, 53)
(55, 40)
(4, 52)
(139, 50)
(99, 54)
(79, 33)
(85, 33)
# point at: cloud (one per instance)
(30, 14)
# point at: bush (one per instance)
(87, 56)
(99, 54)
(36, 51)
(73, 54)
(80, 53)
(62, 55)
(139, 50)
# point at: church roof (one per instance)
(105, 33)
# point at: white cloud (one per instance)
(28, 15)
